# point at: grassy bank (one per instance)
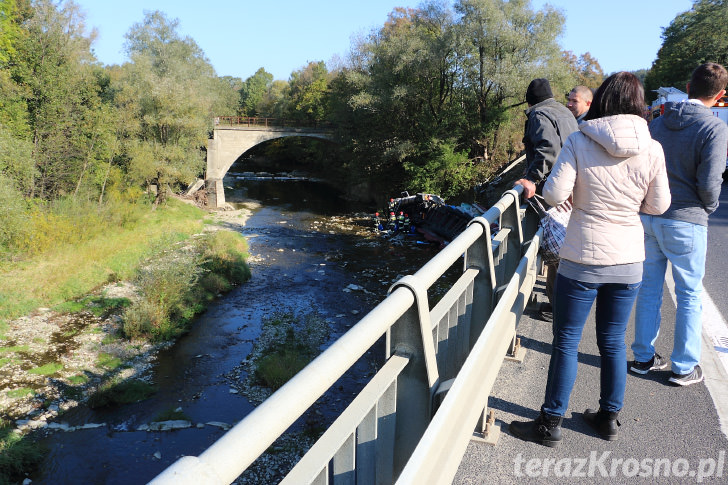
(175, 268)
(68, 270)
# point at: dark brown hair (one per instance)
(707, 80)
(620, 94)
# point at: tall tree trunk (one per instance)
(85, 165)
(106, 177)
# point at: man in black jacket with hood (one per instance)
(548, 125)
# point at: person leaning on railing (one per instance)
(613, 170)
(548, 125)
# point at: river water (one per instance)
(311, 252)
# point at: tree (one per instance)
(308, 93)
(641, 74)
(172, 90)
(16, 160)
(394, 99)
(692, 38)
(275, 101)
(253, 91)
(8, 30)
(55, 67)
(430, 99)
(585, 69)
(505, 45)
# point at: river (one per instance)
(311, 253)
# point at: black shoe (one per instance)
(655, 363)
(546, 312)
(545, 429)
(603, 422)
(686, 379)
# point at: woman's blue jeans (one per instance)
(572, 302)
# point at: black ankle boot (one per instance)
(546, 429)
(603, 422)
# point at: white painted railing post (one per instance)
(411, 335)
(479, 256)
(511, 220)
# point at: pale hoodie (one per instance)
(614, 170)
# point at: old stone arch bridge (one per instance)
(233, 136)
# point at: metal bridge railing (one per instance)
(394, 429)
(262, 122)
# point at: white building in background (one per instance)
(668, 94)
(665, 95)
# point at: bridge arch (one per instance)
(228, 143)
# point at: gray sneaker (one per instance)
(686, 379)
(655, 363)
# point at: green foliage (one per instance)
(585, 69)
(176, 286)
(13, 349)
(14, 114)
(18, 454)
(13, 215)
(445, 172)
(308, 93)
(253, 91)
(430, 76)
(171, 414)
(66, 221)
(166, 287)
(692, 38)
(108, 361)
(277, 368)
(78, 380)
(98, 305)
(224, 254)
(21, 392)
(439, 76)
(289, 342)
(47, 369)
(9, 30)
(167, 87)
(112, 249)
(274, 103)
(124, 392)
(16, 160)
(54, 62)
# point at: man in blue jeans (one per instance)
(694, 142)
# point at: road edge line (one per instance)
(714, 362)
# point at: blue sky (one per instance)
(240, 36)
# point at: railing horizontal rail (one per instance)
(352, 447)
(447, 301)
(252, 121)
(441, 448)
(244, 442)
(308, 469)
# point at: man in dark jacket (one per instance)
(695, 143)
(548, 125)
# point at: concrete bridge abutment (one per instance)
(229, 143)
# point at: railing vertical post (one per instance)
(480, 257)
(511, 218)
(411, 334)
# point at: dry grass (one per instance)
(69, 271)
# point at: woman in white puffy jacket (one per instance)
(612, 169)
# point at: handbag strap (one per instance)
(536, 205)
